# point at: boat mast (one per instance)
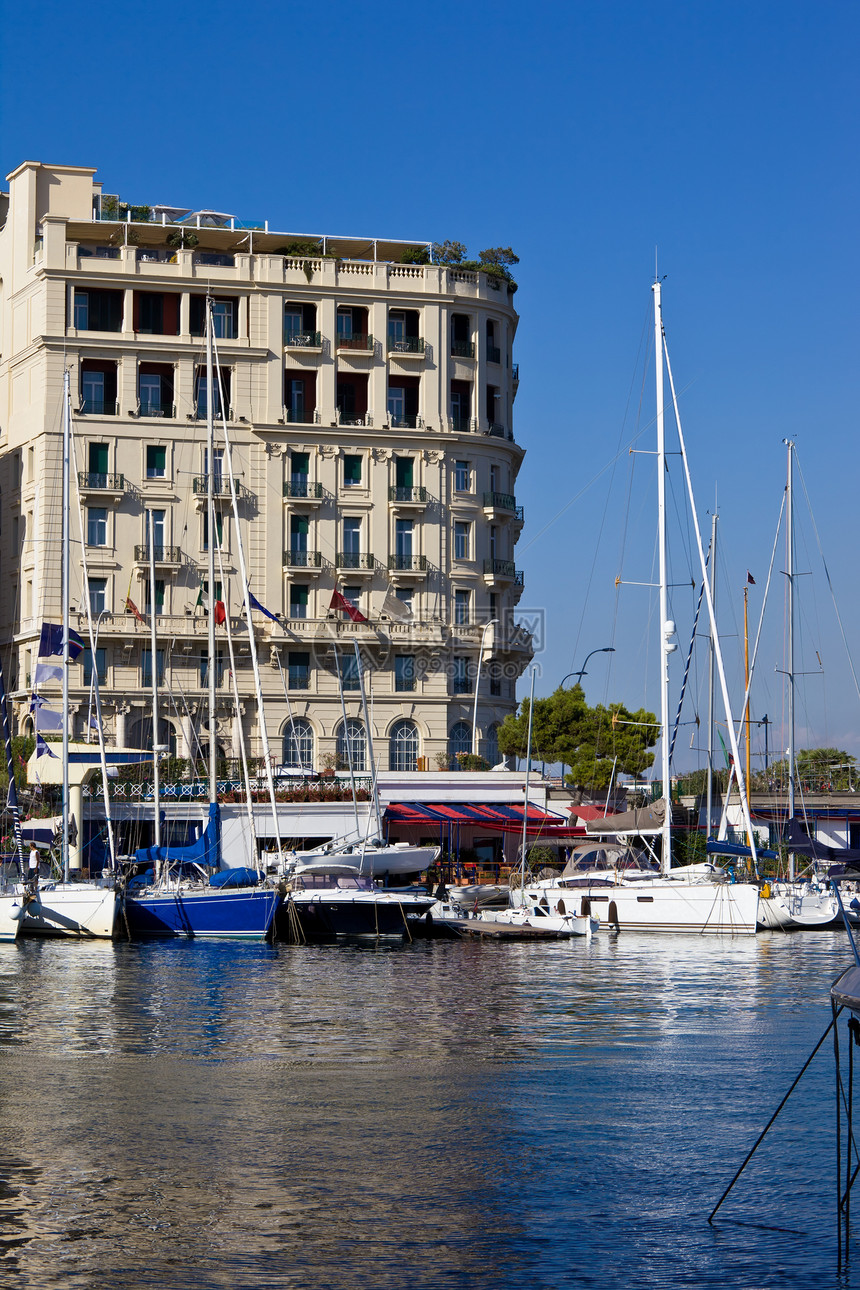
(667, 628)
(789, 573)
(210, 545)
(67, 436)
(374, 783)
(713, 581)
(156, 785)
(526, 785)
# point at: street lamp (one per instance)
(607, 649)
(486, 627)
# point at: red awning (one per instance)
(501, 817)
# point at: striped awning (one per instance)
(501, 817)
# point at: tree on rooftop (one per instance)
(449, 252)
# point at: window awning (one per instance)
(503, 818)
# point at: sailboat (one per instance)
(69, 907)
(13, 902)
(193, 894)
(628, 886)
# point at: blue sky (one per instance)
(585, 135)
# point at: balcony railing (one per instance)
(299, 679)
(361, 342)
(160, 554)
(416, 494)
(500, 568)
(151, 408)
(461, 685)
(406, 421)
(214, 259)
(494, 354)
(300, 416)
(503, 502)
(462, 349)
(200, 412)
(461, 424)
(515, 372)
(109, 483)
(99, 252)
(497, 430)
(302, 560)
(220, 487)
(414, 563)
(406, 344)
(352, 418)
(355, 560)
(302, 339)
(303, 488)
(99, 407)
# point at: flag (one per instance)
(52, 722)
(750, 579)
(132, 608)
(94, 725)
(395, 608)
(340, 602)
(47, 672)
(220, 612)
(51, 641)
(36, 701)
(202, 602)
(255, 604)
(42, 749)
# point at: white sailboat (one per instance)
(69, 907)
(626, 887)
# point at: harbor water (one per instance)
(441, 1114)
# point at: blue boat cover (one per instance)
(205, 851)
(235, 878)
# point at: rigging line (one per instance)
(685, 677)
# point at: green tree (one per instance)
(449, 252)
(588, 740)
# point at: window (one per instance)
(298, 600)
(462, 683)
(404, 471)
(344, 323)
(298, 749)
(218, 468)
(156, 461)
(494, 541)
(405, 594)
(403, 746)
(462, 606)
(299, 534)
(150, 394)
(96, 526)
(158, 530)
(155, 389)
(150, 312)
(461, 406)
(98, 310)
(293, 328)
(353, 595)
(495, 680)
(351, 471)
(92, 391)
(98, 459)
(462, 345)
(219, 530)
(223, 321)
(349, 674)
(460, 738)
(351, 745)
(396, 403)
(493, 352)
(403, 533)
(296, 400)
(300, 467)
(462, 476)
(461, 540)
(101, 666)
(404, 673)
(491, 746)
(146, 667)
(204, 660)
(299, 670)
(201, 395)
(351, 536)
(98, 595)
(159, 596)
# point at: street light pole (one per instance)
(607, 649)
(486, 628)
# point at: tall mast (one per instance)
(713, 581)
(789, 533)
(156, 787)
(67, 437)
(667, 628)
(526, 785)
(210, 545)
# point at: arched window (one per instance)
(460, 738)
(351, 741)
(492, 744)
(140, 734)
(299, 744)
(403, 746)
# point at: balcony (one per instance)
(169, 555)
(462, 349)
(156, 409)
(307, 560)
(98, 408)
(504, 502)
(503, 570)
(494, 354)
(220, 487)
(498, 431)
(357, 344)
(406, 346)
(406, 421)
(214, 259)
(302, 340)
(302, 490)
(102, 484)
(416, 496)
(360, 562)
(515, 373)
(301, 417)
(407, 564)
(462, 425)
(353, 418)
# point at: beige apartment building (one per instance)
(369, 404)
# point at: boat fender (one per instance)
(18, 913)
(765, 891)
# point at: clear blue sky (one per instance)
(585, 135)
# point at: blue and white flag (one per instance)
(255, 604)
(36, 702)
(48, 672)
(51, 641)
(48, 721)
(42, 749)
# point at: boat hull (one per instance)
(327, 916)
(11, 915)
(207, 913)
(705, 908)
(72, 909)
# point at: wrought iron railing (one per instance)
(462, 349)
(355, 560)
(303, 488)
(411, 562)
(359, 341)
(302, 339)
(160, 554)
(110, 483)
(400, 494)
(500, 568)
(302, 559)
(406, 344)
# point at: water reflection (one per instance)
(476, 1114)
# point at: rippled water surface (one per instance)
(444, 1114)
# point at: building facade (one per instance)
(369, 408)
